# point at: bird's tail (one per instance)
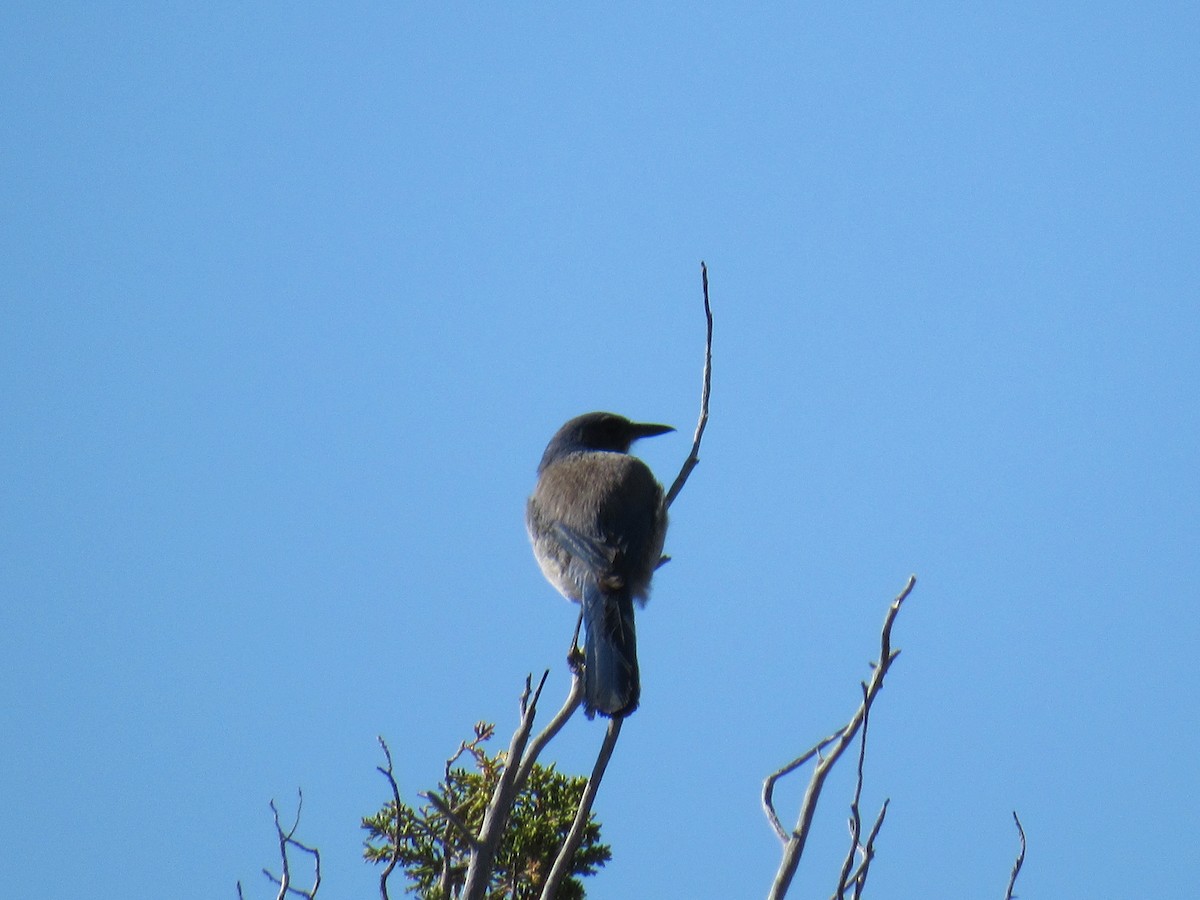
(611, 684)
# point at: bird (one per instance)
(597, 522)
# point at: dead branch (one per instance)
(288, 839)
(768, 795)
(547, 734)
(693, 459)
(562, 865)
(1020, 861)
(865, 851)
(794, 842)
(390, 775)
(855, 817)
(483, 854)
(859, 878)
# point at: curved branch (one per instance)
(390, 775)
(693, 459)
(1020, 860)
(768, 793)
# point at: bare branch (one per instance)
(566, 855)
(693, 459)
(794, 843)
(285, 877)
(286, 839)
(574, 699)
(390, 775)
(1020, 861)
(865, 851)
(768, 794)
(859, 878)
(855, 817)
(483, 855)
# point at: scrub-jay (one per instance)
(597, 523)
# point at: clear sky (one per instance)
(294, 295)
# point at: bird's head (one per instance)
(598, 431)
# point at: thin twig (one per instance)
(855, 817)
(566, 854)
(859, 878)
(768, 794)
(865, 851)
(285, 876)
(693, 459)
(1020, 861)
(389, 774)
(794, 843)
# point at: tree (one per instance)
(433, 844)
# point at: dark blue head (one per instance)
(602, 431)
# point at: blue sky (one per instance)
(295, 294)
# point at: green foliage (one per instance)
(432, 850)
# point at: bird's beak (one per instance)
(645, 429)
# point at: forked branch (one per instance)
(836, 743)
(288, 839)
